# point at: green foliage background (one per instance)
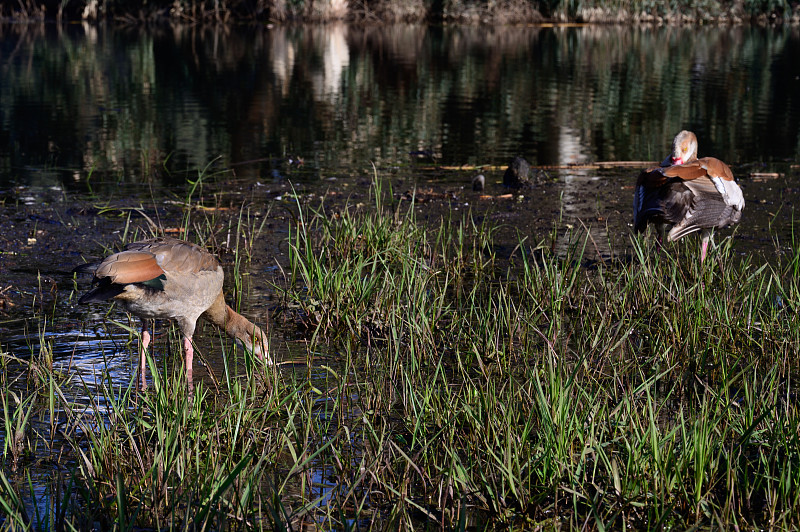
(408, 10)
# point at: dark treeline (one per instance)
(502, 11)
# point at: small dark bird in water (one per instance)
(478, 183)
(687, 193)
(423, 155)
(167, 278)
(517, 174)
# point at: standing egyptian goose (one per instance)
(688, 193)
(167, 278)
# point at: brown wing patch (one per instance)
(687, 172)
(716, 168)
(129, 267)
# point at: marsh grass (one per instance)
(450, 387)
(636, 393)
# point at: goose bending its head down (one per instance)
(167, 278)
(687, 193)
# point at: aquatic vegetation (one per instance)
(647, 391)
(443, 383)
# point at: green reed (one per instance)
(639, 392)
(453, 387)
(163, 459)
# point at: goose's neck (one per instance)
(237, 326)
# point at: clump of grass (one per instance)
(360, 270)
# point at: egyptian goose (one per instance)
(688, 193)
(168, 278)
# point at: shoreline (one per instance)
(511, 12)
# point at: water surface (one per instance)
(81, 99)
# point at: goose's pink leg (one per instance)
(142, 360)
(189, 356)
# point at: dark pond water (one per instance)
(102, 129)
(106, 111)
(79, 99)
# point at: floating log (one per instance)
(764, 176)
(575, 166)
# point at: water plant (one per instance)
(621, 393)
(440, 382)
